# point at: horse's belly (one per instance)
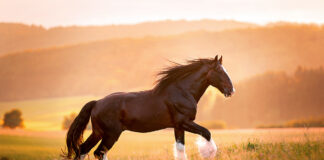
(144, 127)
(146, 119)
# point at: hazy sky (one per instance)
(97, 12)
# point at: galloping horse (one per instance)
(172, 103)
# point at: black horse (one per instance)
(172, 103)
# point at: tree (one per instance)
(13, 119)
(68, 120)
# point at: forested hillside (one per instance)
(19, 37)
(270, 98)
(101, 67)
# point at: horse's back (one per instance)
(108, 105)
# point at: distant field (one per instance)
(274, 144)
(45, 114)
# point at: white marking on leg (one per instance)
(82, 157)
(179, 151)
(105, 157)
(207, 149)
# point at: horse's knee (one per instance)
(91, 141)
(105, 145)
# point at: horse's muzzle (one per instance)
(228, 92)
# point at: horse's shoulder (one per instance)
(182, 103)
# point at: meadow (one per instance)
(51, 73)
(45, 114)
(246, 144)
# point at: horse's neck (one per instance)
(196, 84)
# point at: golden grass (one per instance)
(45, 114)
(232, 144)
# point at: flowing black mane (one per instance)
(178, 71)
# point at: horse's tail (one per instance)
(75, 134)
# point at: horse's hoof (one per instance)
(83, 156)
(179, 151)
(207, 149)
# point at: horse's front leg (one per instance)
(206, 145)
(179, 148)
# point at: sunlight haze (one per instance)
(103, 12)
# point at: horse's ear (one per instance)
(216, 58)
(221, 60)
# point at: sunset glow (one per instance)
(102, 12)
(139, 76)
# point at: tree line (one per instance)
(13, 119)
(271, 98)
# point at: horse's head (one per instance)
(217, 77)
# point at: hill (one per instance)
(19, 37)
(282, 97)
(101, 67)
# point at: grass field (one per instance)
(272, 144)
(45, 114)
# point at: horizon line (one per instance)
(157, 21)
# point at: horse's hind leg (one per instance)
(106, 144)
(85, 147)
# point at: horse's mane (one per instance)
(178, 71)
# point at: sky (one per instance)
(50, 13)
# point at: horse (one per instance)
(172, 103)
